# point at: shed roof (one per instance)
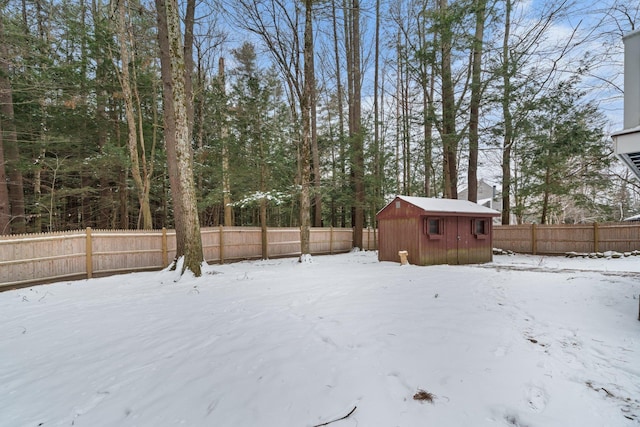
(448, 205)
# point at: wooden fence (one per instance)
(39, 258)
(562, 238)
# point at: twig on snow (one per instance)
(337, 419)
(607, 391)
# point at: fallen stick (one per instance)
(337, 419)
(608, 392)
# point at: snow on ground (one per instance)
(523, 341)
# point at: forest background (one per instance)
(351, 101)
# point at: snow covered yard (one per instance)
(524, 341)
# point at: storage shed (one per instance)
(435, 231)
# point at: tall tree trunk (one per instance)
(189, 22)
(317, 181)
(139, 172)
(340, 96)
(377, 158)
(355, 131)
(507, 142)
(101, 117)
(15, 187)
(224, 135)
(474, 107)
(449, 138)
(5, 207)
(398, 97)
(406, 142)
(123, 179)
(544, 216)
(305, 149)
(189, 231)
(263, 191)
(427, 83)
(317, 177)
(169, 124)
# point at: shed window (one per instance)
(433, 227)
(480, 228)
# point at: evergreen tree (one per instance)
(262, 168)
(564, 152)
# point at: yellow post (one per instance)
(89, 254)
(403, 257)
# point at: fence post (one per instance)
(221, 244)
(596, 236)
(368, 238)
(375, 238)
(534, 243)
(89, 253)
(165, 254)
(331, 240)
(264, 240)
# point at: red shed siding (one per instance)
(399, 234)
(399, 230)
(403, 228)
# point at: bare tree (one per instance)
(141, 169)
(277, 23)
(520, 49)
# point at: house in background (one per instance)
(488, 197)
(626, 143)
(435, 231)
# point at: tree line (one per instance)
(307, 113)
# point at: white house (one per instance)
(626, 143)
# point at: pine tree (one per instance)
(564, 151)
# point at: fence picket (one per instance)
(46, 257)
(558, 239)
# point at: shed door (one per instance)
(458, 232)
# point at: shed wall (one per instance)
(401, 227)
(458, 244)
(399, 234)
